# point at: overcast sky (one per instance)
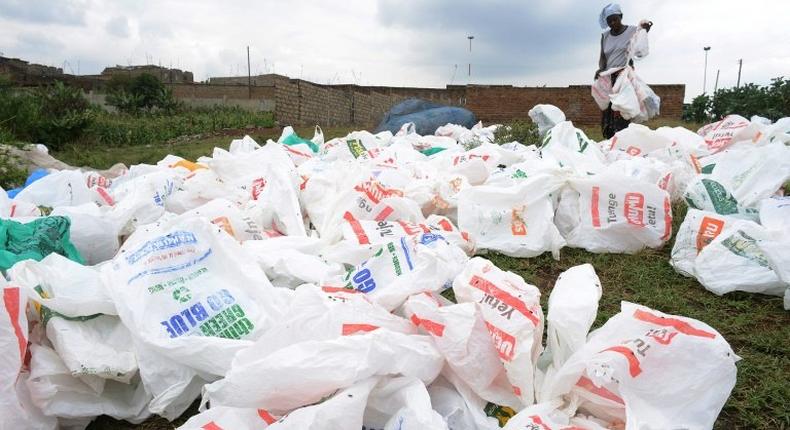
(400, 42)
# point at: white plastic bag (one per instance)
(57, 393)
(735, 261)
(511, 310)
(93, 232)
(192, 299)
(546, 117)
(516, 221)
(613, 213)
(461, 335)
(63, 188)
(729, 130)
(573, 306)
(697, 231)
(567, 146)
(293, 376)
(16, 408)
(410, 265)
(649, 370)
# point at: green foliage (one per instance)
(11, 174)
(64, 114)
(771, 101)
(146, 129)
(143, 93)
(525, 132)
(53, 115)
(697, 111)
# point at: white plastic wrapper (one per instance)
(731, 129)
(189, 293)
(649, 370)
(697, 231)
(511, 311)
(573, 306)
(462, 337)
(736, 261)
(290, 377)
(410, 265)
(16, 407)
(516, 221)
(612, 213)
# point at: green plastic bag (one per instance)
(431, 151)
(35, 240)
(294, 139)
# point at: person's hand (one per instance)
(647, 25)
(597, 74)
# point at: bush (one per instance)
(144, 93)
(525, 132)
(53, 115)
(698, 110)
(771, 101)
(64, 115)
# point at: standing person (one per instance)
(614, 53)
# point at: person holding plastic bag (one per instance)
(614, 54)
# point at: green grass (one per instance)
(756, 326)
(102, 157)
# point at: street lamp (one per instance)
(705, 73)
(470, 55)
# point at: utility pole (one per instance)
(716, 85)
(249, 75)
(705, 73)
(740, 64)
(470, 57)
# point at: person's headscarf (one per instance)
(609, 10)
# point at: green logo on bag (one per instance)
(745, 246)
(723, 202)
(182, 294)
(355, 147)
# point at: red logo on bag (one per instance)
(517, 225)
(375, 191)
(224, 223)
(504, 342)
(633, 150)
(634, 209)
(257, 188)
(349, 329)
(709, 228)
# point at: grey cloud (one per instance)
(37, 45)
(118, 26)
(156, 29)
(69, 12)
(512, 37)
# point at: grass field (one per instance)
(756, 326)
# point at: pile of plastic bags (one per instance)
(304, 283)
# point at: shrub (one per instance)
(698, 110)
(64, 115)
(771, 101)
(53, 115)
(143, 93)
(525, 132)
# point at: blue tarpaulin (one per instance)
(426, 116)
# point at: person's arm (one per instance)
(601, 60)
